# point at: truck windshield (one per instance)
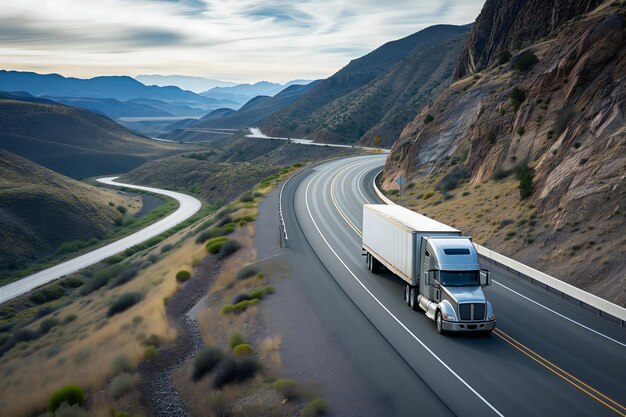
(459, 278)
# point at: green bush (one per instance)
(239, 307)
(247, 272)
(115, 259)
(259, 294)
(121, 209)
(233, 371)
(101, 278)
(72, 282)
(314, 409)
(124, 302)
(123, 384)
(48, 324)
(228, 248)
(182, 276)
(246, 197)
(288, 388)
(503, 57)
(429, 118)
(427, 195)
(214, 245)
(526, 175)
(517, 97)
(149, 353)
(70, 394)
(125, 276)
(235, 339)
(525, 61)
(206, 360)
(243, 350)
(521, 130)
(121, 363)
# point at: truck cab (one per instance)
(450, 288)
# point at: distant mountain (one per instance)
(41, 209)
(195, 84)
(376, 94)
(242, 93)
(72, 141)
(94, 94)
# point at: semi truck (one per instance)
(439, 266)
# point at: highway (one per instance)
(547, 357)
(188, 206)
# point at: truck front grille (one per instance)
(472, 311)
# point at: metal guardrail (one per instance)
(584, 299)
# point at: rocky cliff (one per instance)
(553, 113)
(509, 25)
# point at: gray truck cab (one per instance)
(451, 285)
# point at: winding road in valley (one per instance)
(188, 206)
(547, 357)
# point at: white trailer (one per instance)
(439, 266)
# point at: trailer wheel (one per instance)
(407, 294)
(413, 298)
(439, 323)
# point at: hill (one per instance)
(72, 141)
(241, 93)
(195, 84)
(375, 94)
(40, 210)
(253, 113)
(547, 117)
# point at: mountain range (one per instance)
(242, 93)
(195, 84)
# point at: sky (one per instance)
(233, 40)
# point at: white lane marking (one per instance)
(560, 315)
(306, 200)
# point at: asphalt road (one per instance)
(548, 357)
(188, 206)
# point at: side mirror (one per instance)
(485, 278)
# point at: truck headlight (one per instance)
(449, 317)
(492, 316)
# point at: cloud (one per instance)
(242, 40)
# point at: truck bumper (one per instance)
(453, 326)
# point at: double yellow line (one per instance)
(590, 391)
(566, 376)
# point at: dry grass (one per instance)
(86, 347)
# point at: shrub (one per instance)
(101, 278)
(492, 136)
(235, 339)
(517, 96)
(239, 307)
(500, 173)
(120, 364)
(125, 276)
(247, 272)
(121, 209)
(123, 384)
(427, 195)
(525, 61)
(152, 340)
(69, 318)
(182, 276)
(213, 246)
(72, 282)
(525, 175)
(205, 361)
(196, 262)
(124, 302)
(503, 57)
(115, 259)
(232, 371)
(241, 297)
(70, 394)
(520, 130)
(505, 222)
(48, 324)
(246, 197)
(167, 248)
(243, 350)
(150, 352)
(288, 388)
(429, 118)
(229, 247)
(314, 408)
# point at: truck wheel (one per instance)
(413, 298)
(439, 323)
(407, 294)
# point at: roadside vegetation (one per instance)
(95, 327)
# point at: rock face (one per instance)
(566, 120)
(508, 25)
